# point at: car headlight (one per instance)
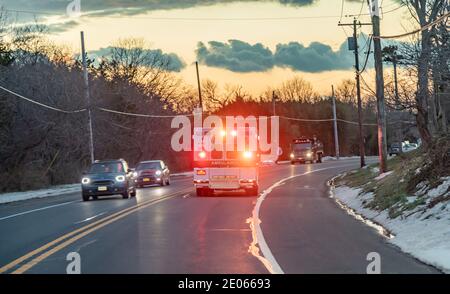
(85, 180)
(292, 155)
(309, 154)
(158, 173)
(120, 178)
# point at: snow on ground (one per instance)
(330, 158)
(49, 192)
(381, 176)
(54, 191)
(425, 234)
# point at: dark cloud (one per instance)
(62, 27)
(126, 7)
(236, 56)
(239, 56)
(316, 57)
(174, 62)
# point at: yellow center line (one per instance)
(88, 229)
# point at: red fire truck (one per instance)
(226, 168)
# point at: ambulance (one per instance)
(226, 160)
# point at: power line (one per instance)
(365, 14)
(367, 86)
(324, 120)
(342, 9)
(361, 9)
(141, 115)
(431, 24)
(41, 104)
(367, 55)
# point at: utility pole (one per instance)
(381, 114)
(274, 103)
(336, 136)
(394, 62)
(390, 55)
(199, 86)
(87, 97)
(353, 45)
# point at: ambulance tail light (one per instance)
(201, 172)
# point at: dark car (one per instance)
(153, 172)
(395, 148)
(109, 177)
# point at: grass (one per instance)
(410, 172)
(390, 192)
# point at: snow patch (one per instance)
(425, 235)
(441, 189)
(381, 176)
(50, 192)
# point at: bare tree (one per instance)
(424, 12)
(346, 91)
(296, 89)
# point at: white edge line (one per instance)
(38, 209)
(267, 258)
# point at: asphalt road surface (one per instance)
(298, 228)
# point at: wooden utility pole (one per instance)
(199, 86)
(381, 113)
(353, 45)
(88, 97)
(274, 96)
(336, 135)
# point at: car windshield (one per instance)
(107, 167)
(149, 165)
(301, 146)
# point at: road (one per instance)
(299, 228)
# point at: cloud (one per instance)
(239, 56)
(174, 62)
(63, 26)
(127, 7)
(316, 57)
(236, 56)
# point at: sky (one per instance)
(256, 44)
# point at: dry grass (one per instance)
(408, 171)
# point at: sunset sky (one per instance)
(256, 44)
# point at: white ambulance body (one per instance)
(227, 169)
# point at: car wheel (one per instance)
(125, 195)
(319, 158)
(85, 197)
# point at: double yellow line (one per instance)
(48, 249)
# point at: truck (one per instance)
(306, 150)
(228, 169)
